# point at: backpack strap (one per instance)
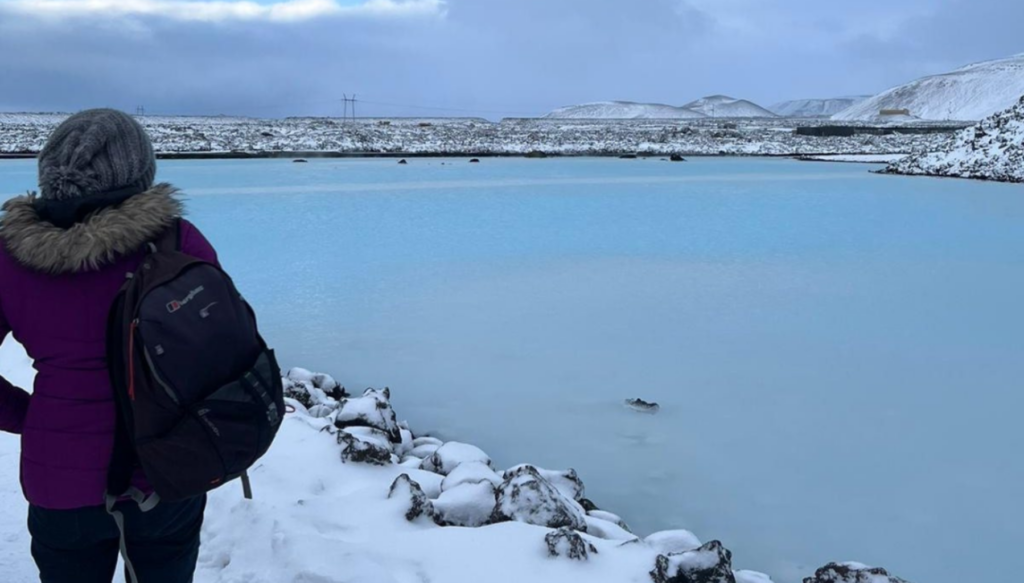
(169, 241)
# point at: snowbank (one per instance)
(991, 150)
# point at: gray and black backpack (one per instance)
(199, 394)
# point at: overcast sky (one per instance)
(491, 58)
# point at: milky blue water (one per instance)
(839, 356)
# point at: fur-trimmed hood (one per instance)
(103, 237)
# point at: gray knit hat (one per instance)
(95, 152)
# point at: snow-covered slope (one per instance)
(816, 107)
(991, 150)
(725, 106)
(968, 94)
(623, 110)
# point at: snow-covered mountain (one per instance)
(725, 106)
(623, 110)
(816, 107)
(991, 150)
(971, 93)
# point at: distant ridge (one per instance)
(816, 107)
(712, 106)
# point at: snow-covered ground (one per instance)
(341, 497)
(991, 150)
(971, 93)
(624, 110)
(805, 108)
(725, 106)
(774, 137)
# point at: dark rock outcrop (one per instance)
(851, 573)
(711, 563)
(374, 410)
(643, 406)
(362, 452)
(568, 544)
(676, 158)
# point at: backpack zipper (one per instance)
(131, 359)
(156, 376)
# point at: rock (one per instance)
(419, 507)
(751, 577)
(527, 497)
(373, 409)
(469, 505)
(300, 161)
(424, 451)
(567, 482)
(628, 157)
(427, 441)
(403, 161)
(451, 454)
(643, 406)
(536, 154)
(588, 506)
(428, 481)
(370, 435)
(474, 161)
(729, 125)
(362, 452)
(471, 473)
(711, 563)
(311, 388)
(614, 519)
(608, 530)
(566, 543)
(266, 134)
(852, 573)
(676, 158)
(667, 542)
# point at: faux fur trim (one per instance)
(101, 239)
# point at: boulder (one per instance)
(474, 161)
(527, 497)
(428, 481)
(471, 473)
(451, 455)
(427, 441)
(643, 406)
(362, 452)
(568, 544)
(312, 389)
(567, 482)
(403, 162)
(417, 506)
(469, 505)
(667, 542)
(608, 530)
(612, 518)
(852, 573)
(374, 410)
(676, 158)
(711, 563)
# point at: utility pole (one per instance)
(348, 100)
(140, 110)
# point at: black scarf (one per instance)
(67, 213)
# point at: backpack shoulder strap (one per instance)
(170, 240)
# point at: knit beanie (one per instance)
(96, 153)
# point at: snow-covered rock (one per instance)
(469, 504)
(471, 473)
(623, 110)
(610, 517)
(852, 573)
(991, 150)
(673, 541)
(567, 482)
(711, 563)
(971, 93)
(807, 108)
(373, 409)
(450, 455)
(415, 504)
(608, 530)
(568, 544)
(724, 106)
(358, 451)
(525, 496)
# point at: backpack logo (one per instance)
(175, 305)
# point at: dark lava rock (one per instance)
(851, 573)
(569, 544)
(312, 389)
(711, 563)
(403, 161)
(536, 154)
(266, 134)
(374, 410)
(677, 158)
(628, 157)
(405, 488)
(588, 506)
(474, 161)
(643, 406)
(525, 496)
(300, 161)
(567, 482)
(362, 452)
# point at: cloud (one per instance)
(221, 10)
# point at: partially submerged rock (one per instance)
(469, 505)
(419, 506)
(711, 563)
(643, 406)
(403, 161)
(852, 573)
(527, 497)
(451, 455)
(568, 544)
(676, 158)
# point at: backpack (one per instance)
(199, 395)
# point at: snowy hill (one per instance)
(725, 106)
(991, 150)
(816, 107)
(623, 110)
(968, 94)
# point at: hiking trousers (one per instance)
(82, 545)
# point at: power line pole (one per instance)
(347, 101)
(140, 110)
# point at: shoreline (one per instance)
(294, 155)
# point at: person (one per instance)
(64, 254)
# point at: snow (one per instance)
(452, 454)
(608, 530)
(991, 150)
(724, 106)
(474, 472)
(971, 93)
(805, 108)
(751, 577)
(623, 110)
(468, 504)
(672, 541)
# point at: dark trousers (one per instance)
(81, 546)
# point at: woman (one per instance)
(64, 254)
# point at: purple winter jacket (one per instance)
(56, 289)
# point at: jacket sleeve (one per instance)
(195, 244)
(13, 401)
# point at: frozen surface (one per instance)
(836, 353)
